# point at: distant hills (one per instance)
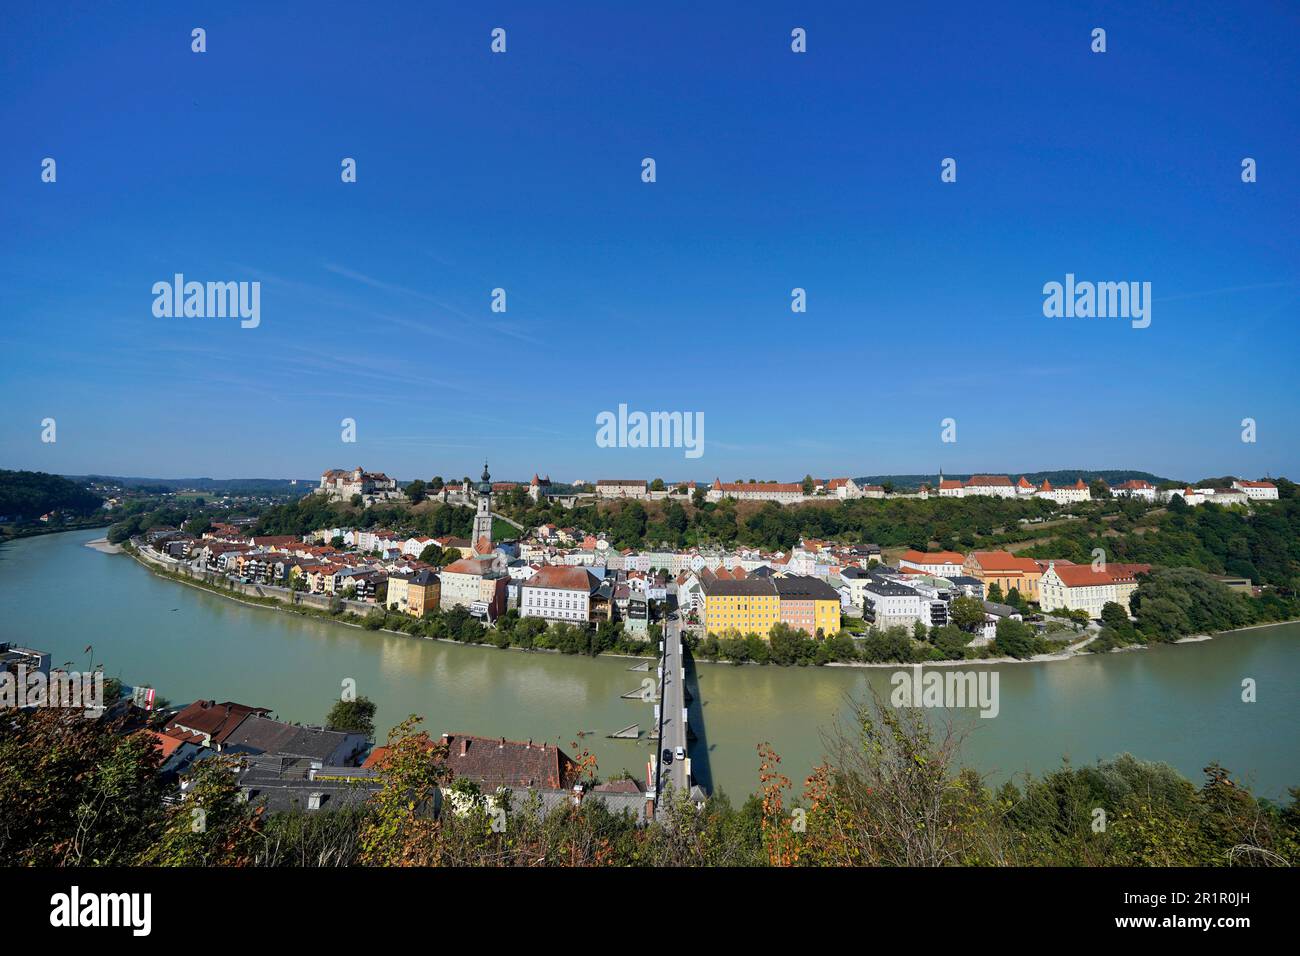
(225, 486)
(1059, 477)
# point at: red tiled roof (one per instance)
(1083, 575)
(467, 566)
(1003, 561)
(563, 577)
(216, 720)
(167, 743)
(933, 557)
(497, 762)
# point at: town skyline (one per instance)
(669, 476)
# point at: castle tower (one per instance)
(481, 539)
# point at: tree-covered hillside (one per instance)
(30, 494)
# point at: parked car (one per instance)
(681, 753)
(668, 755)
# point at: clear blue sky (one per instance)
(522, 171)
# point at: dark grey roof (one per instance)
(749, 587)
(888, 588)
(286, 785)
(1001, 610)
(263, 735)
(802, 587)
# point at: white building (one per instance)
(1135, 488)
(941, 563)
(780, 492)
(558, 594)
(371, 486)
(1078, 587)
(621, 488)
(994, 486)
(1065, 495)
(1257, 490)
(886, 604)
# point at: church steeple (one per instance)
(481, 540)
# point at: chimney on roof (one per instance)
(464, 746)
(502, 744)
(529, 745)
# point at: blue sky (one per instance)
(522, 171)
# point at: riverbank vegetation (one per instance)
(890, 792)
(1172, 603)
(901, 645)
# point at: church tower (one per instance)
(481, 540)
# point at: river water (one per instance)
(1178, 704)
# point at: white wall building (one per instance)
(1257, 490)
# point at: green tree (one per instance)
(353, 717)
(1015, 639)
(967, 613)
(435, 555)
(213, 825)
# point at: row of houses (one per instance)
(1055, 584)
(997, 486)
(285, 766)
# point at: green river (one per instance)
(1180, 704)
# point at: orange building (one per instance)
(1006, 571)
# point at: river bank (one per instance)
(1071, 652)
(275, 604)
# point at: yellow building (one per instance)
(809, 604)
(750, 605)
(753, 605)
(422, 593)
(399, 593)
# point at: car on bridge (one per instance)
(668, 755)
(680, 754)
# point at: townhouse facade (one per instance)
(479, 584)
(755, 604)
(557, 593)
(1007, 571)
(1080, 587)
